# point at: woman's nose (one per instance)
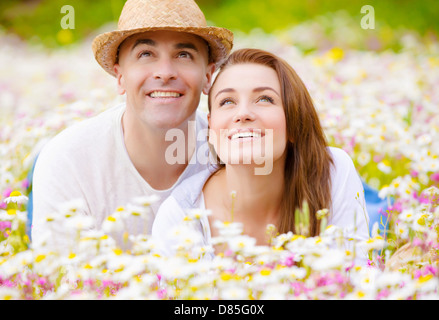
(244, 113)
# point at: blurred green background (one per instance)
(39, 20)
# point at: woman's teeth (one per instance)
(247, 134)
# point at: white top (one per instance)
(346, 186)
(89, 161)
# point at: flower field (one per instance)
(382, 107)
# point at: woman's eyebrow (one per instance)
(224, 90)
(259, 89)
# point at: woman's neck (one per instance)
(254, 200)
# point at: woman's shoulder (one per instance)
(343, 169)
(174, 208)
(185, 195)
(340, 157)
(190, 189)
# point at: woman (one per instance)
(261, 112)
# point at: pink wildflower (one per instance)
(435, 177)
(383, 294)
(41, 281)
(397, 206)
(25, 183)
(417, 242)
(161, 294)
(339, 278)
(289, 261)
(5, 225)
(8, 284)
(7, 192)
(107, 283)
(431, 269)
(89, 282)
(348, 268)
(298, 287)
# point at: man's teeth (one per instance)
(252, 134)
(164, 94)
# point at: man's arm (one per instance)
(56, 192)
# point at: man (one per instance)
(163, 56)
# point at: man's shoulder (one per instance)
(201, 118)
(87, 133)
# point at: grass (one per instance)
(39, 20)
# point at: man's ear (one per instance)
(120, 79)
(210, 70)
(209, 136)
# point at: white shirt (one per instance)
(89, 161)
(346, 192)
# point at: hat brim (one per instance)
(105, 45)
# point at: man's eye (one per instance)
(144, 54)
(184, 54)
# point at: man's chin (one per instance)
(170, 123)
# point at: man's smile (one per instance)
(164, 94)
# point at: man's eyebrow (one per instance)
(183, 45)
(186, 45)
(143, 41)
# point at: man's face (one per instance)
(163, 74)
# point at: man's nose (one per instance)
(165, 70)
(244, 113)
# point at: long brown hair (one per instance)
(308, 160)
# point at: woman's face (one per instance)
(247, 118)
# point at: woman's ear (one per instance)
(120, 80)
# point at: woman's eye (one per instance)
(266, 99)
(225, 102)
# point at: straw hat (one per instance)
(152, 15)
